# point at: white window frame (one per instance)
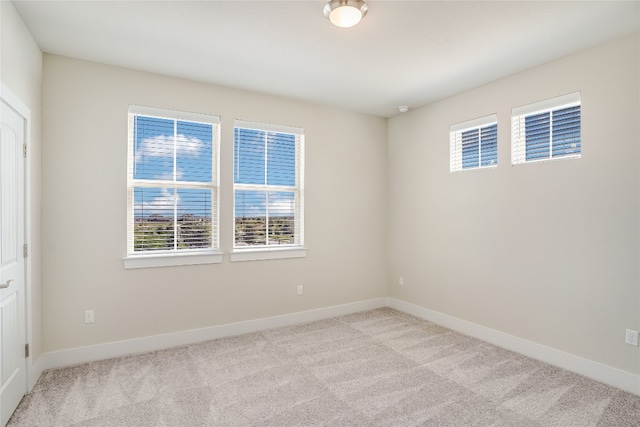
(518, 131)
(455, 142)
(173, 257)
(297, 250)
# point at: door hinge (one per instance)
(24, 150)
(25, 250)
(26, 350)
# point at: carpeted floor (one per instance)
(380, 367)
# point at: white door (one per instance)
(13, 383)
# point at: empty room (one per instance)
(324, 212)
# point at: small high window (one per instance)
(474, 144)
(546, 130)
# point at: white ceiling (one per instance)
(402, 53)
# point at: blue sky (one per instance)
(259, 158)
(157, 157)
(480, 147)
(553, 134)
(264, 158)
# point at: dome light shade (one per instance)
(345, 13)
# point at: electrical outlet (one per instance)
(300, 289)
(88, 316)
(401, 281)
(631, 337)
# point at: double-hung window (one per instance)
(474, 144)
(268, 187)
(172, 183)
(545, 130)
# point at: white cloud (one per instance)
(250, 211)
(169, 175)
(281, 206)
(162, 146)
(162, 204)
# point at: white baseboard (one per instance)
(73, 356)
(589, 368)
(606, 374)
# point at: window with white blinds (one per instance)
(474, 144)
(172, 205)
(546, 130)
(268, 177)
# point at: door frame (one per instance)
(21, 108)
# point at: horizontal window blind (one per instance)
(547, 130)
(474, 144)
(268, 185)
(172, 182)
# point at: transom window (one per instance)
(547, 130)
(474, 144)
(268, 172)
(172, 204)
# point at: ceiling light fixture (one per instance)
(345, 13)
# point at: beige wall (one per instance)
(21, 72)
(84, 211)
(548, 252)
(461, 241)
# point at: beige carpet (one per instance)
(380, 367)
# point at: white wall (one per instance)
(547, 252)
(84, 211)
(21, 72)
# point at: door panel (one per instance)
(13, 383)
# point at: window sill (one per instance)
(266, 254)
(169, 260)
(548, 159)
